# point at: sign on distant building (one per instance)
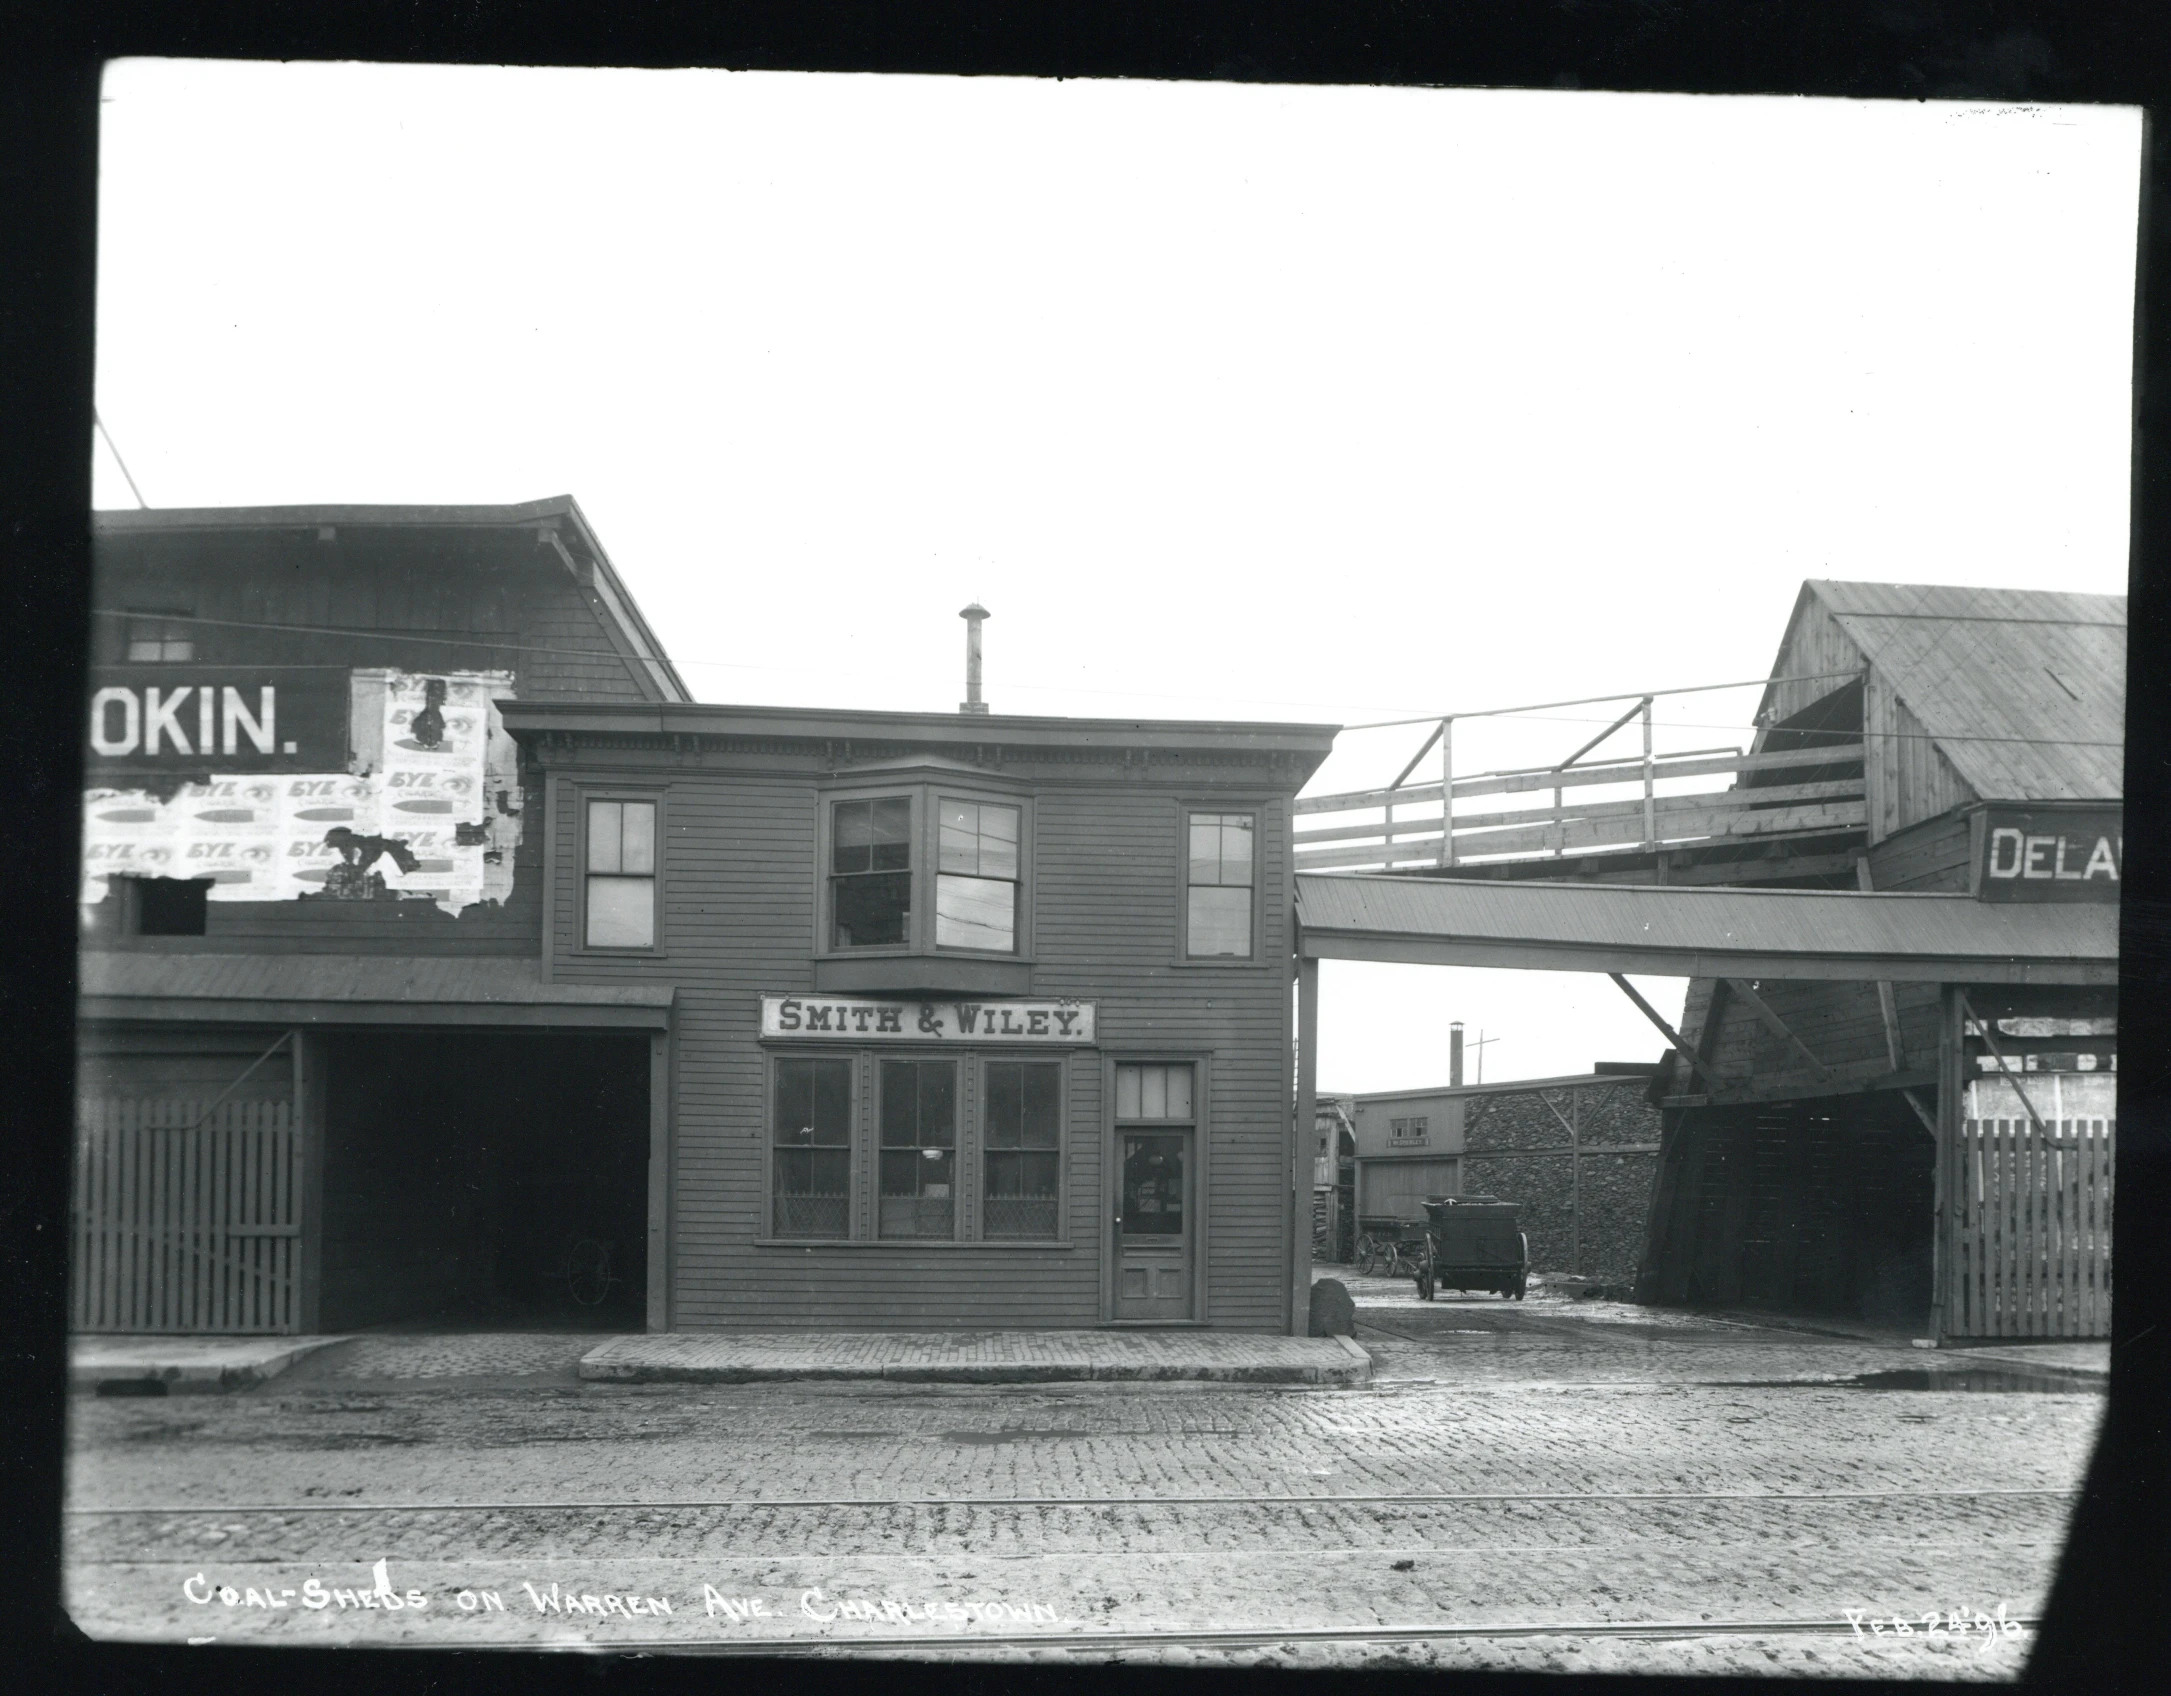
(2049, 853)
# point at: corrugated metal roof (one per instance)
(2024, 690)
(346, 977)
(1703, 931)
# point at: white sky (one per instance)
(1324, 404)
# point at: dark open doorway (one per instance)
(485, 1180)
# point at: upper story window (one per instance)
(870, 872)
(922, 870)
(1407, 1132)
(1221, 851)
(155, 637)
(620, 904)
(976, 881)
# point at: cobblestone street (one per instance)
(1523, 1485)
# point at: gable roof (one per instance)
(2023, 690)
(557, 519)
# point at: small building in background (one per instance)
(1576, 1153)
(1334, 1179)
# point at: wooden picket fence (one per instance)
(185, 1221)
(2031, 1214)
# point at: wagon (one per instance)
(1474, 1243)
(1391, 1247)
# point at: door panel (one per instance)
(1400, 1188)
(1155, 1226)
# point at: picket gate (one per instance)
(2030, 1210)
(185, 1220)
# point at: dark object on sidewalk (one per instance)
(1333, 1313)
(1475, 1243)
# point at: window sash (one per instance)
(810, 1133)
(1221, 873)
(976, 912)
(918, 1140)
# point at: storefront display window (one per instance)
(919, 1148)
(812, 1138)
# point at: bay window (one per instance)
(924, 870)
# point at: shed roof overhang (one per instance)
(1703, 932)
(349, 989)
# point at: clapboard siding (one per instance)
(1931, 858)
(1907, 777)
(739, 922)
(487, 602)
(1841, 1024)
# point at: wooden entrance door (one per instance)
(2030, 1249)
(183, 1221)
(1156, 1225)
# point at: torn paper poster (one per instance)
(429, 809)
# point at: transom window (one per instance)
(621, 875)
(1218, 886)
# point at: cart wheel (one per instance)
(588, 1271)
(1367, 1257)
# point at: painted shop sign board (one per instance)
(858, 1018)
(2049, 854)
(243, 720)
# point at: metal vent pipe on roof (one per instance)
(1454, 1055)
(974, 616)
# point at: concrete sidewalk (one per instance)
(978, 1357)
(180, 1365)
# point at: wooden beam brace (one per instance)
(1895, 1049)
(1776, 1025)
(1414, 758)
(1922, 1112)
(1601, 736)
(1672, 1036)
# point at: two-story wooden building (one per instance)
(980, 1020)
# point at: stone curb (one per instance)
(183, 1376)
(1355, 1368)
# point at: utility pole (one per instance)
(1480, 1045)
